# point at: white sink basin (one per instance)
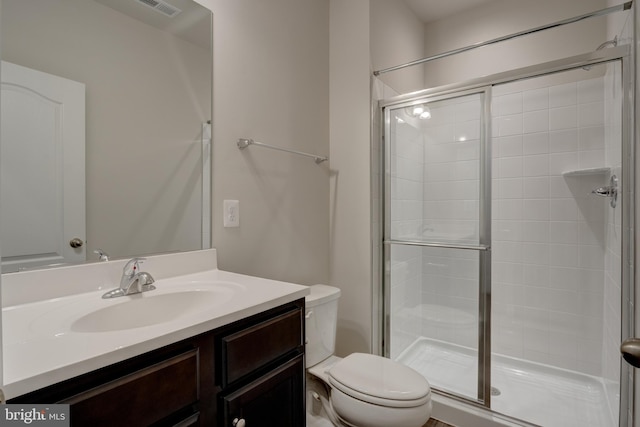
(147, 309)
(169, 302)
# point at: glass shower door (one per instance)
(437, 235)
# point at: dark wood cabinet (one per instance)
(262, 372)
(143, 397)
(273, 400)
(252, 368)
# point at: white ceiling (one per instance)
(432, 10)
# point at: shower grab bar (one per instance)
(244, 143)
(437, 245)
(606, 11)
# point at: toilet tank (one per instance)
(321, 317)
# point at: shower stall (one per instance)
(507, 238)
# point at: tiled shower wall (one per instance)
(549, 239)
(548, 236)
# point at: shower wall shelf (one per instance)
(244, 143)
(589, 171)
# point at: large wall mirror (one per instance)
(106, 109)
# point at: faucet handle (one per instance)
(132, 266)
(102, 255)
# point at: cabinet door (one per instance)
(168, 389)
(273, 400)
(274, 337)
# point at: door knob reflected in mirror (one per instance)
(630, 350)
(76, 243)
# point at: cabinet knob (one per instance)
(239, 422)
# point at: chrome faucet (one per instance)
(133, 281)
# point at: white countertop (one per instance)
(42, 346)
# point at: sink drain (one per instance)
(495, 391)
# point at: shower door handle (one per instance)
(630, 349)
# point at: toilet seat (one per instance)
(379, 381)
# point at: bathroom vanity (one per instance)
(235, 362)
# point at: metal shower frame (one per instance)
(484, 85)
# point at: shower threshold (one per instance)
(530, 391)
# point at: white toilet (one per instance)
(364, 390)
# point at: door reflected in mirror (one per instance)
(141, 129)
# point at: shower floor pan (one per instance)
(533, 392)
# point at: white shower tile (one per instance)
(563, 141)
(510, 104)
(535, 253)
(537, 99)
(510, 188)
(510, 167)
(563, 118)
(563, 232)
(510, 209)
(563, 162)
(563, 210)
(592, 138)
(592, 159)
(566, 323)
(593, 281)
(536, 187)
(535, 275)
(591, 233)
(535, 143)
(591, 257)
(510, 125)
(563, 344)
(535, 231)
(561, 255)
(591, 90)
(537, 339)
(558, 187)
(439, 134)
(564, 301)
(469, 130)
(536, 165)
(508, 272)
(508, 230)
(507, 251)
(536, 209)
(465, 170)
(442, 114)
(436, 172)
(464, 190)
(535, 121)
(509, 146)
(466, 150)
(591, 114)
(534, 297)
(589, 351)
(564, 278)
(468, 111)
(563, 95)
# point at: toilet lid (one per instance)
(379, 380)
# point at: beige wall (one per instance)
(271, 83)
(350, 203)
(503, 17)
(144, 112)
(397, 37)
